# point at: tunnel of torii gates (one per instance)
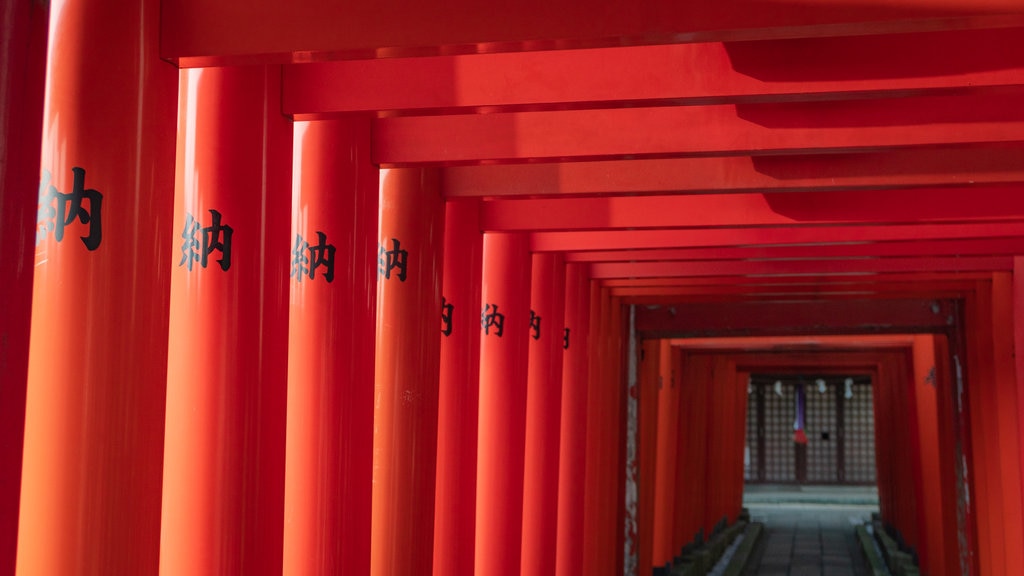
(396, 288)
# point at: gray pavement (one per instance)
(809, 531)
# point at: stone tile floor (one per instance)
(808, 539)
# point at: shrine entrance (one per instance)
(810, 429)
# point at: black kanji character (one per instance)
(388, 260)
(490, 317)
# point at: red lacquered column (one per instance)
(667, 454)
(332, 323)
(90, 500)
(573, 438)
(223, 499)
(407, 366)
(454, 514)
(602, 435)
(505, 320)
(648, 421)
(543, 414)
(23, 59)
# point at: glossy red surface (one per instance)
(332, 323)
(459, 394)
(504, 351)
(23, 27)
(224, 455)
(543, 414)
(98, 349)
(573, 438)
(406, 374)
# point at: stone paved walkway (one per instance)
(808, 540)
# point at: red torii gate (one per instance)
(812, 162)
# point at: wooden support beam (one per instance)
(194, 32)
(673, 74)
(774, 235)
(716, 130)
(899, 168)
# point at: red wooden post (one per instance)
(543, 414)
(984, 436)
(665, 545)
(94, 404)
(597, 555)
(573, 438)
(407, 371)
(932, 513)
(1005, 399)
(648, 387)
(23, 59)
(459, 393)
(503, 369)
(332, 319)
(224, 455)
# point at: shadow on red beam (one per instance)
(667, 294)
(193, 33)
(715, 130)
(797, 343)
(966, 247)
(921, 277)
(904, 206)
(776, 318)
(790, 268)
(757, 71)
(897, 168)
(774, 236)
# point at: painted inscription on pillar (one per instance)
(534, 325)
(492, 321)
(58, 210)
(201, 242)
(447, 309)
(392, 261)
(565, 339)
(306, 258)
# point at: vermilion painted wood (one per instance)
(779, 235)
(503, 400)
(332, 323)
(941, 281)
(843, 291)
(896, 168)
(950, 205)
(692, 371)
(1005, 399)
(97, 354)
(965, 247)
(406, 372)
(1017, 299)
(650, 430)
(932, 492)
(884, 467)
(224, 449)
(543, 414)
(307, 30)
(23, 25)
(667, 453)
(764, 318)
(459, 393)
(599, 542)
(619, 378)
(716, 130)
(977, 385)
(783, 268)
(573, 438)
(956, 527)
(708, 72)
